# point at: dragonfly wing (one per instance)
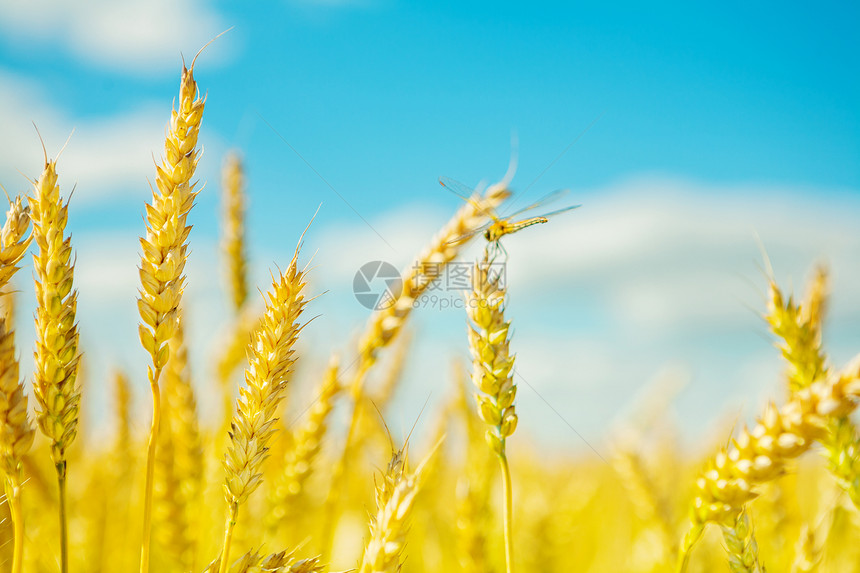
(548, 198)
(470, 234)
(461, 190)
(467, 194)
(557, 211)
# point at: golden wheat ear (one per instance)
(395, 496)
(16, 429)
(798, 329)
(281, 562)
(741, 546)
(759, 455)
(57, 359)
(492, 373)
(271, 356)
(162, 265)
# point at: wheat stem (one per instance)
(509, 512)
(298, 464)
(150, 469)
(690, 539)
(64, 532)
(807, 553)
(13, 498)
(228, 536)
(179, 465)
(233, 239)
(473, 488)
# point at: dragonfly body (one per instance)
(499, 226)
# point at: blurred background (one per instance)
(689, 135)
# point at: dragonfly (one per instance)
(498, 226)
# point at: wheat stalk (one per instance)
(800, 332)
(270, 362)
(842, 445)
(643, 492)
(16, 429)
(759, 455)
(807, 554)
(385, 324)
(56, 355)
(384, 390)
(395, 496)
(122, 401)
(369, 424)
(180, 463)
(282, 562)
(114, 548)
(741, 546)
(231, 355)
(233, 229)
(492, 373)
(232, 352)
(799, 328)
(300, 459)
(13, 243)
(474, 515)
(816, 299)
(163, 261)
(17, 436)
(820, 400)
(842, 450)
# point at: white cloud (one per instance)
(669, 253)
(333, 4)
(104, 153)
(565, 363)
(106, 267)
(128, 36)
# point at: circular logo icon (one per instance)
(377, 285)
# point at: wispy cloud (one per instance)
(105, 153)
(130, 37)
(333, 3)
(649, 241)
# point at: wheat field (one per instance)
(245, 492)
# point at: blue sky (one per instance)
(707, 124)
